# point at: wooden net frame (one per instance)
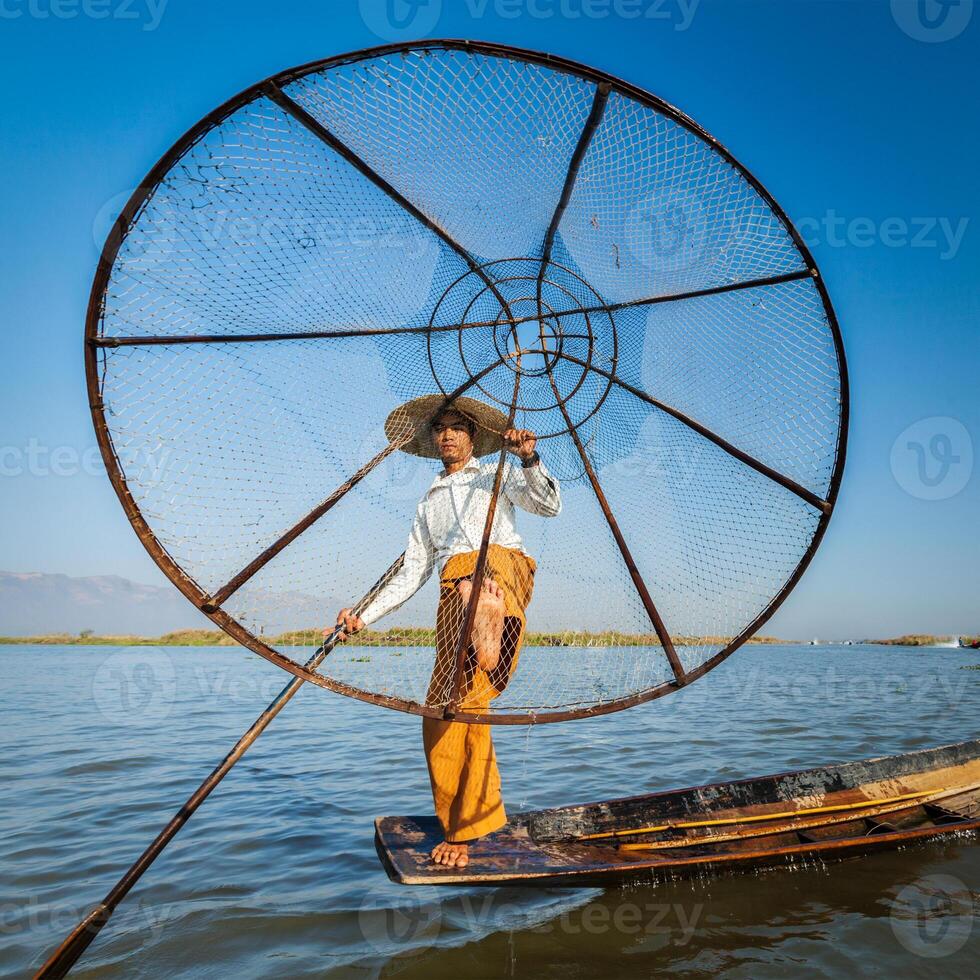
(558, 243)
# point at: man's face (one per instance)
(450, 434)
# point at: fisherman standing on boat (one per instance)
(448, 530)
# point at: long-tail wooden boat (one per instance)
(829, 812)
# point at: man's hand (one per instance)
(521, 442)
(351, 622)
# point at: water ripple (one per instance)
(276, 876)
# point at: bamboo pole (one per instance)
(67, 954)
(756, 818)
(479, 572)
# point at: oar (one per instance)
(68, 953)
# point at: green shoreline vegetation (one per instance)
(921, 640)
(420, 636)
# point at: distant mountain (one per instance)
(36, 604)
(33, 603)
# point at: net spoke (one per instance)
(690, 294)
(261, 560)
(137, 341)
(634, 572)
(234, 584)
(641, 587)
(784, 481)
(588, 130)
(258, 338)
(592, 123)
(481, 563)
(274, 92)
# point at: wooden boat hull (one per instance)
(823, 813)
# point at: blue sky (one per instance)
(858, 116)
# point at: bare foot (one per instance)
(451, 855)
(488, 626)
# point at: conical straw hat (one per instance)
(416, 415)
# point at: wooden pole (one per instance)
(67, 954)
(479, 572)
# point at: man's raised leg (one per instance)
(488, 626)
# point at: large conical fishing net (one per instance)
(468, 220)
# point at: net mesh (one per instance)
(378, 231)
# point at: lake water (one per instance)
(276, 875)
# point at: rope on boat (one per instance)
(727, 821)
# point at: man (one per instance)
(448, 530)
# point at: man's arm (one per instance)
(534, 489)
(531, 487)
(414, 573)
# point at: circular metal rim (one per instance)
(199, 598)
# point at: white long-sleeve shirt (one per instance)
(450, 519)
